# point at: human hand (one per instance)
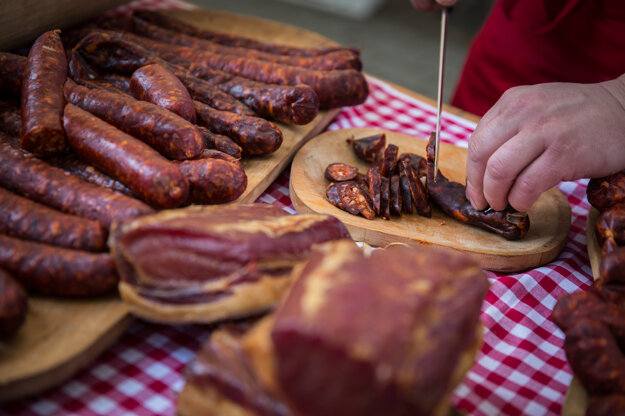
(536, 136)
(427, 5)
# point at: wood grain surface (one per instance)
(60, 336)
(576, 399)
(550, 217)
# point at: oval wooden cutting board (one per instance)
(550, 217)
(61, 336)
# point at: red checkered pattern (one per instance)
(521, 368)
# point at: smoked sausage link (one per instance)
(27, 175)
(132, 162)
(340, 59)
(213, 180)
(58, 271)
(170, 134)
(158, 85)
(255, 135)
(42, 96)
(233, 40)
(20, 217)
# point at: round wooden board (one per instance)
(59, 338)
(550, 217)
(576, 399)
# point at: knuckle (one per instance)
(496, 168)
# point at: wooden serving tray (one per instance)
(550, 217)
(60, 337)
(576, 399)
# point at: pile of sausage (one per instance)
(102, 123)
(404, 183)
(594, 321)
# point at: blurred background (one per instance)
(398, 43)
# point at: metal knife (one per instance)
(441, 75)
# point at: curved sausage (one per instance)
(168, 133)
(132, 162)
(27, 175)
(213, 180)
(450, 198)
(233, 40)
(333, 88)
(84, 74)
(111, 52)
(220, 142)
(76, 166)
(69, 162)
(42, 96)
(290, 104)
(255, 135)
(57, 271)
(158, 85)
(339, 59)
(11, 72)
(13, 305)
(22, 218)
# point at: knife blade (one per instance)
(441, 76)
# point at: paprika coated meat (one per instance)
(255, 135)
(340, 172)
(213, 179)
(340, 59)
(291, 104)
(170, 134)
(23, 218)
(27, 175)
(13, 305)
(450, 198)
(220, 142)
(158, 85)
(148, 174)
(57, 271)
(42, 96)
(350, 197)
(111, 51)
(333, 88)
(233, 40)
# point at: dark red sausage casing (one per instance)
(220, 142)
(214, 179)
(13, 305)
(170, 134)
(158, 85)
(27, 175)
(58, 271)
(20, 217)
(42, 96)
(132, 162)
(255, 135)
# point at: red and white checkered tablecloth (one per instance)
(521, 368)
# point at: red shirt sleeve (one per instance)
(525, 42)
